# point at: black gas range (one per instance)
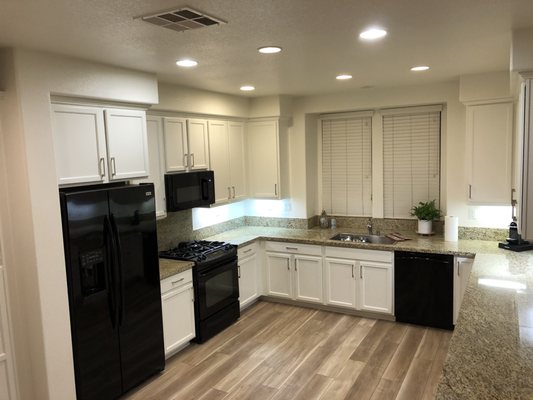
(216, 284)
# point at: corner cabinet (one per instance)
(462, 269)
(99, 145)
(359, 279)
(8, 390)
(226, 159)
(268, 158)
(294, 271)
(177, 298)
(154, 128)
(489, 131)
(186, 144)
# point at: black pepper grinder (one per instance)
(513, 233)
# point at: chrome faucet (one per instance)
(369, 226)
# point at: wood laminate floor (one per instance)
(277, 351)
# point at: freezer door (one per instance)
(132, 214)
(92, 300)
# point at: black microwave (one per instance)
(189, 189)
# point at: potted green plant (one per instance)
(426, 212)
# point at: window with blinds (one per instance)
(347, 166)
(411, 160)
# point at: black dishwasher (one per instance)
(423, 289)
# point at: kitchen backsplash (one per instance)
(177, 227)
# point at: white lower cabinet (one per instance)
(8, 389)
(294, 271)
(249, 275)
(359, 279)
(177, 297)
(462, 270)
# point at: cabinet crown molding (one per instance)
(496, 100)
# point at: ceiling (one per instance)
(319, 40)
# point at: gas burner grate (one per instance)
(182, 19)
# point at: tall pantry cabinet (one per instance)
(525, 156)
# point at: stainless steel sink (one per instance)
(354, 237)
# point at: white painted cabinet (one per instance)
(226, 155)
(97, 145)
(489, 130)
(8, 390)
(268, 159)
(154, 128)
(462, 270)
(249, 269)
(294, 271)
(186, 144)
(177, 297)
(375, 287)
(359, 279)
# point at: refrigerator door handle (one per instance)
(118, 258)
(112, 292)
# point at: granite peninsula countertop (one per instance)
(491, 350)
(172, 267)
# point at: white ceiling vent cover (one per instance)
(182, 19)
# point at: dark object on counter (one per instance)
(423, 289)
(186, 190)
(216, 284)
(522, 245)
(110, 243)
(514, 237)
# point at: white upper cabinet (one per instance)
(79, 143)
(186, 144)
(226, 155)
(267, 151)
(489, 149)
(92, 149)
(127, 144)
(154, 128)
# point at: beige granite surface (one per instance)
(172, 267)
(491, 350)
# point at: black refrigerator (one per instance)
(110, 243)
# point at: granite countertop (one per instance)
(172, 267)
(491, 350)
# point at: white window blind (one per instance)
(411, 161)
(347, 166)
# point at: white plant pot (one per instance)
(425, 227)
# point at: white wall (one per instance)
(522, 50)
(35, 253)
(181, 99)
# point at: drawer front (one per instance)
(295, 248)
(247, 251)
(175, 281)
(360, 254)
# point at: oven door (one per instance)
(216, 288)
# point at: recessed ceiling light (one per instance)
(269, 49)
(373, 34)
(343, 77)
(247, 88)
(420, 68)
(187, 63)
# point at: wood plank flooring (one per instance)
(277, 351)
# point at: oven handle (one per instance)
(228, 266)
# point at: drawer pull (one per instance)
(178, 281)
(247, 251)
(291, 248)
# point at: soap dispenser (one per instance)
(323, 219)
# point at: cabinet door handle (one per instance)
(361, 271)
(192, 294)
(247, 251)
(113, 166)
(470, 192)
(288, 265)
(353, 276)
(291, 248)
(101, 167)
(275, 189)
(192, 158)
(233, 188)
(296, 265)
(185, 160)
(178, 281)
(239, 271)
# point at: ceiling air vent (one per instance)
(182, 19)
